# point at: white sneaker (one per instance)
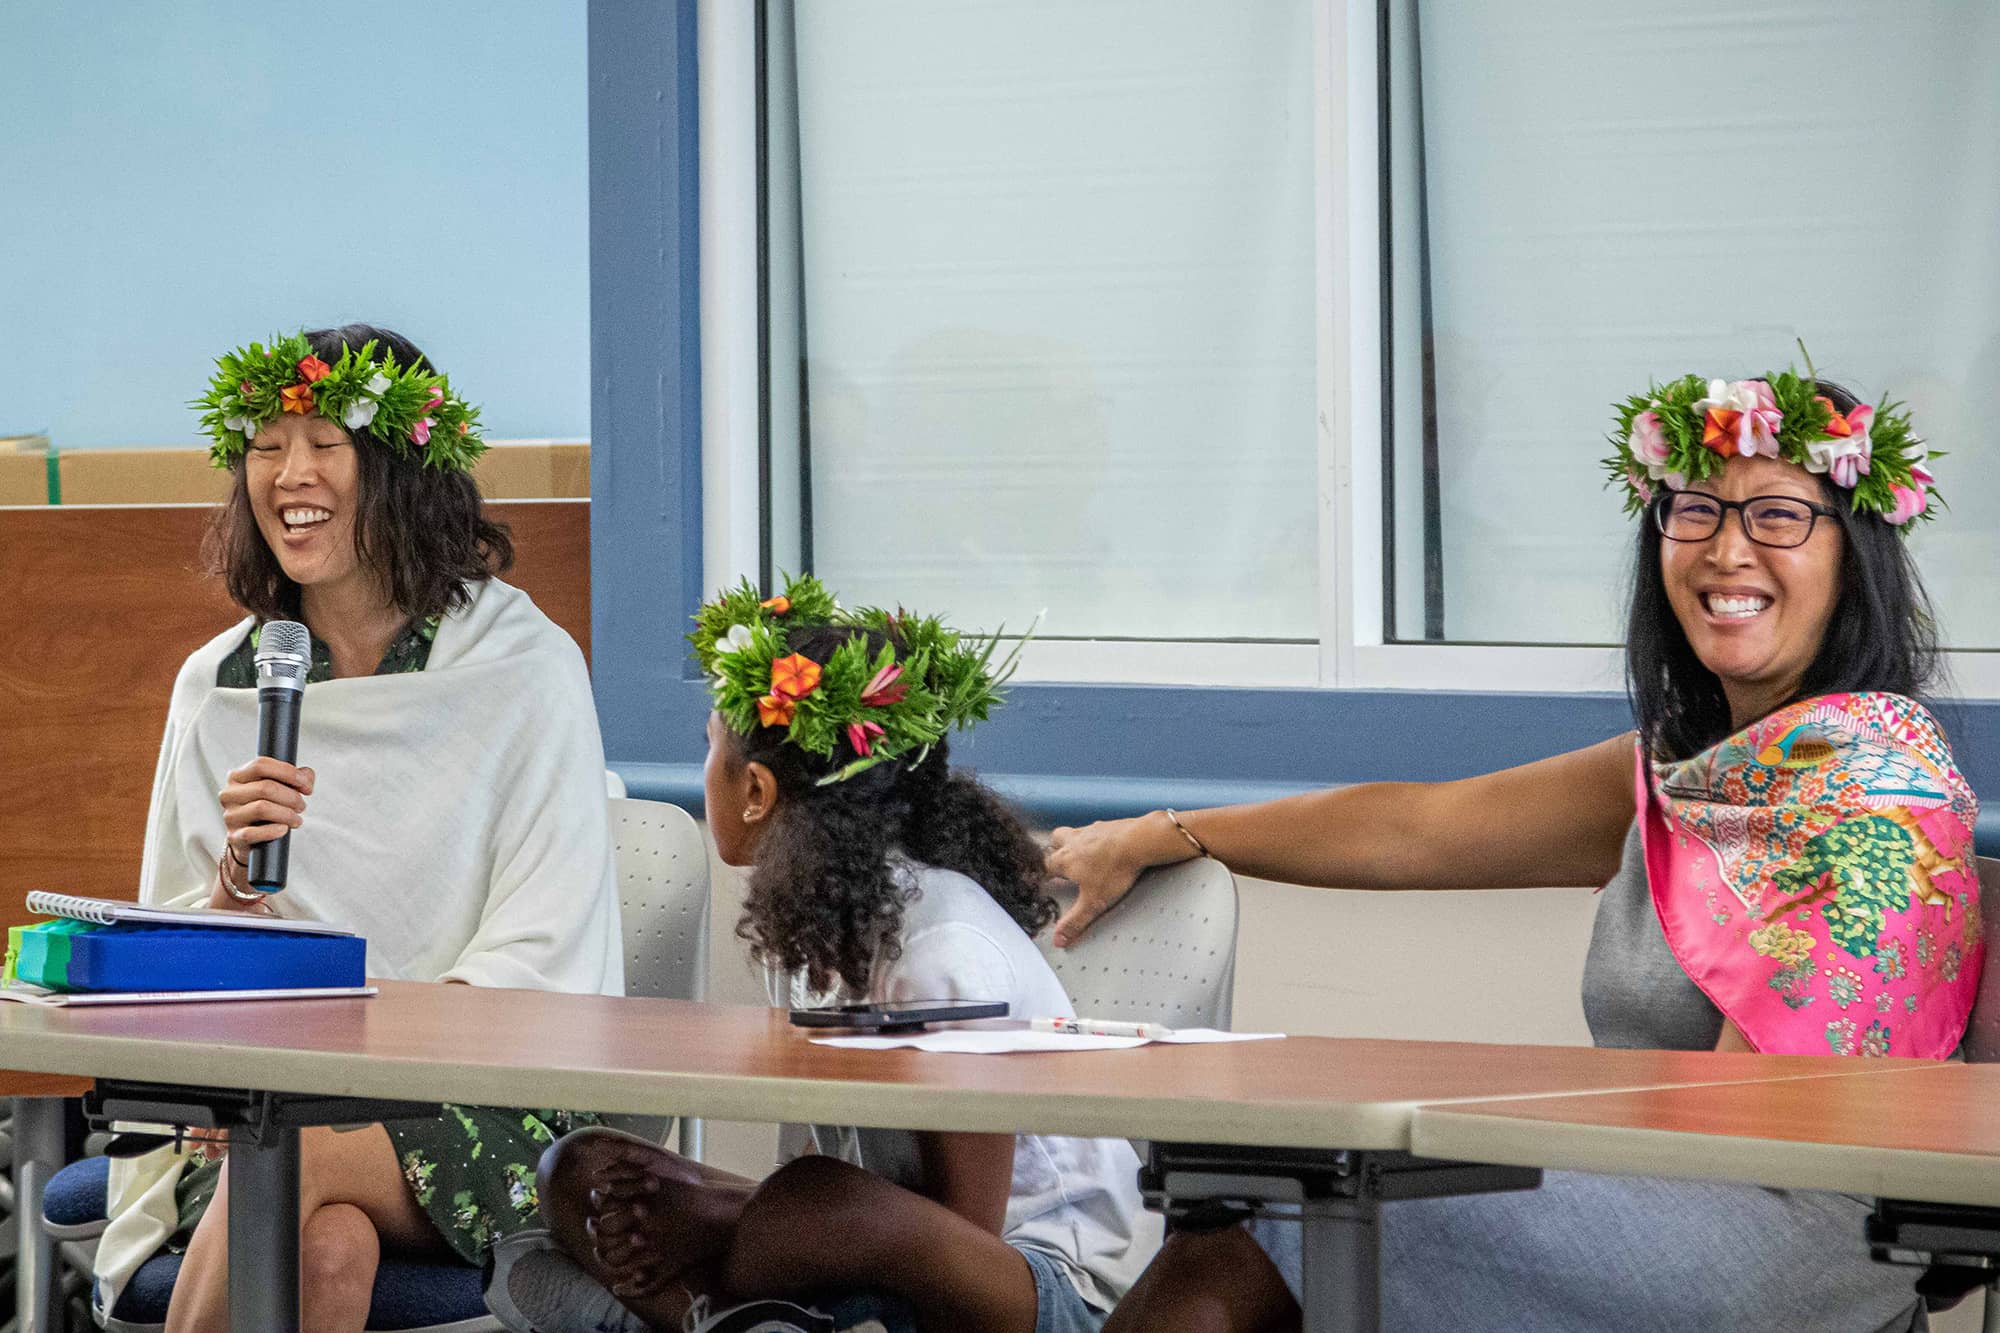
(533, 1287)
(756, 1317)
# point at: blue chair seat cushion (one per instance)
(408, 1296)
(73, 1201)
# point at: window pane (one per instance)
(1059, 311)
(1621, 192)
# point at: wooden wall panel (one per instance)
(98, 607)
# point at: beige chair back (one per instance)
(1166, 954)
(1982, 1034)
(663, 910)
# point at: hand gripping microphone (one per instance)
(284, 655)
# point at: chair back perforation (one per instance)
(1166, 954)
(662, 898)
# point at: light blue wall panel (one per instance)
(178, 178)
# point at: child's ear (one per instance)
(761, 798)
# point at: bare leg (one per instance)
(352, 1178)
(656, 1231)
(819, 1224)
(1208, 1282)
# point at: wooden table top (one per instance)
(17, 1083)
(662, 1057)
(1931, 1133)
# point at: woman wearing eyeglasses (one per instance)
(1785, 847)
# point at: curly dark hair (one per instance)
(822, 899)
(424, 528)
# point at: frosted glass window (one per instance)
(1058, 311)
(1611, 192)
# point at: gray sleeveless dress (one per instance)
(1589, 1252)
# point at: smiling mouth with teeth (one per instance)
(1735, 608)
(305, 518)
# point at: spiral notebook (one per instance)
(110, 911)
(22, 993)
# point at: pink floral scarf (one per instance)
(1814, 874)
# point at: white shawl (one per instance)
(457, 818)
(457, 822)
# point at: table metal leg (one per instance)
(1341, 1259)
(39, 1146)
(264, 1231)
(1335, 1195)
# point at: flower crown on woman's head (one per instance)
(925, 680)
(1681, 432)
(406, 407)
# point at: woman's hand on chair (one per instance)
(1103, 860)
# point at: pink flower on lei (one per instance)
(1741, 418)
(1910, 501)
(1648, 441)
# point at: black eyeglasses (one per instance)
(1768, 520)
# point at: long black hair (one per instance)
(1882, 634)
(823, 898)
(424, 529)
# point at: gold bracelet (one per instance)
(1193, 841)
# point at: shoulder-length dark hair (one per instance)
(424, 529)
(823, 899)
(1882, 635)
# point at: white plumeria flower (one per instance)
(735, 641)
(1723, 394)
(361, 413)
(246, 424)
(1827, 455)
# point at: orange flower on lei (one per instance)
(794, 676)
(773, 711)
(298, 398)
(314, 369)
(777, 606)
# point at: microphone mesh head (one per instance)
(284, 649)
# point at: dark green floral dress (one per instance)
(472, 1168)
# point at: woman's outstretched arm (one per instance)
(1558, 821)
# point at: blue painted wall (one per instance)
(645, 401)
(178, 178)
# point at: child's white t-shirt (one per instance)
(1076, 1200)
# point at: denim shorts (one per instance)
(1058, 1307)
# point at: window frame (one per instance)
(673, 485)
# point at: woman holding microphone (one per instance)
(449, 809)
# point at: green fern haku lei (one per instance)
(901, 700)
(406, 407)
(1682, 432)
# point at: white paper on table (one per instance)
(992, 1041)
(1205, 1036)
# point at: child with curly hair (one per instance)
(879, 873)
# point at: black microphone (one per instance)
(284, 655)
